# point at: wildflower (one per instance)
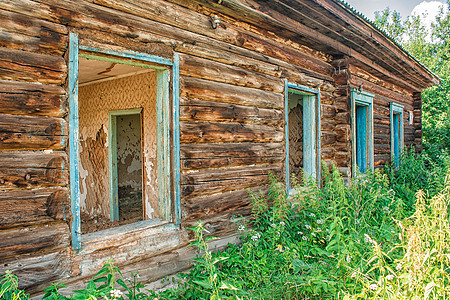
(115, 293)
(313, 234)
(279, 248)
(348, 258)
(356, 221)
(318, 229)
(327, 230)
(254, 237)
(398, 267)
(312, 215)
(299, 232)
(272, 225)
(390, 277)
(307, 226)
(287, 248)
(278, 233)
(373, 286)
(354, 274)
(319, 221)
(282, 223)
(304, 238)
(241, 228)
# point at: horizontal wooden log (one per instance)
(208, 132)
(31, 34)
(211, 181)
(27, 169)
(24, 132)
(199, 89)
(200, 207)
(37, 271)
(206, 69)
(198, 156)
(38, 238)
(24, 98)
(30, 66)
(30, 169)
(198, 110)
(22, 207)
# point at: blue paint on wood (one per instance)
(73, 142)
(362, 135)
(131, 54)
(176, 136)
(286, 132)
(362, 138)
(309, 136)
(396, 134)
(319, 136)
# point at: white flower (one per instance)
(278, 233)
(241, 228)
(287, 248)
(390, 277)
(327, 230)
(282, 223)
(354, 274)
(319, 221)
(115, 293)
(373, 287)
(313, 234)
(398, 267)
(299, 232)
(304, 238)
(279, 248)
(318, 229)
(272, 225)
(307, 226)
(386, 208)
(255, 237)
(312, 215)
(356, 221)
(348, 259)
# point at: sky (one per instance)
(404, 7)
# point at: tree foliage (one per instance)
(431, 46)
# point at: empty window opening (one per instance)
(295, 125)
(118, 143)
(302, 131)
(362, 138)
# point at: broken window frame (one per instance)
(362, 98)
(311, 138)
(168, 160)
(396, 109)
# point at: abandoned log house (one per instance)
(124, 122)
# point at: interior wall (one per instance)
(295, 117)
(95, 100)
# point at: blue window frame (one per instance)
(362, 131)
(309, 129)
(164, 68)
(397, 140)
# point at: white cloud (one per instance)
(428, 10)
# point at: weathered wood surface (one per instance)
(23, 32)
(200, 89)
(198, 110)
(34, 133)
(194, 156)
(208, 132)
(35, 272)
(23, 98)
(208, 205)
(37, 238)
(27, 169)
(207, 69)
(211, 181)
(29, 66)
(23, 207)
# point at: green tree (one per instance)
(431, 46)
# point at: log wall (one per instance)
(231, 122)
